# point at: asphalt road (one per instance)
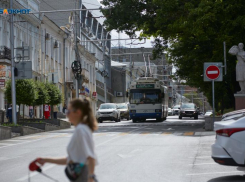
(172, 151)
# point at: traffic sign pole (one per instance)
(213, 73)
(213, 100)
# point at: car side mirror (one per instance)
(179, 108)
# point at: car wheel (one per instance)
(196, 117)
(180, 117)
(128, 118)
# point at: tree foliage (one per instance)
(43, 96)
(54, 93)
(26, 92)
(190, 31)
(29, 92)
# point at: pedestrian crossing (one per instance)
(44, 136)
(187, 133)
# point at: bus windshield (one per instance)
(145, 96)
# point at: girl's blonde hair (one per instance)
(87, 114)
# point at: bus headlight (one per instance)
(132, 111)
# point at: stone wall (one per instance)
(25, 130)
(5, 132)
(209, 123)
(64, 124)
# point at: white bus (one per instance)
(148, 99)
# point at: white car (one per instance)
(229, 147)
(176, 110)
(170, 112)
(108, 111)
(208, 113)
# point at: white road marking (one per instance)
(119, 136)
(196, 174)
(213, 72)
(45, 168)
(200, 157)
(130, 154)
(202, 164)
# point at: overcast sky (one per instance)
(115, 34)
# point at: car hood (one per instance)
(122, 109)
(188, 109)
(106, 110)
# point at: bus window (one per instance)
(145, 96)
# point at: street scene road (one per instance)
(127, 151)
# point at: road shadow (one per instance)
(235, 178)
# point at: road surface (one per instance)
(172, 151)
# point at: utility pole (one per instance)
(105, 90)
(12, 65)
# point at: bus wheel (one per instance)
(134, 120)
(159, 119)
(164, 119)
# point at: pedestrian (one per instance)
(64, 109)
(30, 111)
(81, 149)
(55, 111)
(9, 114)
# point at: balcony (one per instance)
(5, 56)
(85, 75)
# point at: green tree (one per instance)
(190, 31)
(54, 95)
(43, 96)
(26, 92)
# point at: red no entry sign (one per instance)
(212, 72)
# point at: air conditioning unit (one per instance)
(56, 45)
(47, 36)
(119, 94)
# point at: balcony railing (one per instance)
(5, 55)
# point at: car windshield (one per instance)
(188, 106)
(177, 107)
(108, 106)
(122, 106)
(145, 96)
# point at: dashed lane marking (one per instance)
(188, 133)
(167, 133)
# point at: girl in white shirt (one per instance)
(81, 146)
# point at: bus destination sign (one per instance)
(145, 86)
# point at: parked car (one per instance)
(233, 114)
(229, 147)
(188, 110)
(208, 113)
(170, 112)
(124, 111)
(108, 111)
(176, 110)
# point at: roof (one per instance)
(61, 18)
(117, 64)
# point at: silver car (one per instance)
(108, 111)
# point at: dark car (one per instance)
(188, 110)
